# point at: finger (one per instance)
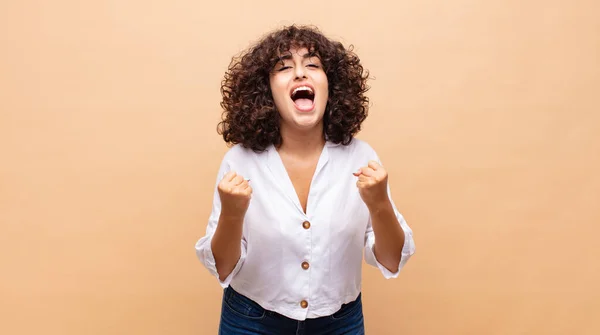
(363, 178)
(237, 180)
(374, 165)
(241, 185)
(228, 177)
(361, 184)
(357, 173)
(243, 189)
(367, 171)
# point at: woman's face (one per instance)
(300, 89)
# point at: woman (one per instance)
(297, 197)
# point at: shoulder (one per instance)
(236, 152)
(238, 156)
(359, 148)
(357, 152)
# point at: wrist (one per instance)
(232, 215)
(380, 207)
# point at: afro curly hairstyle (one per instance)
(250, 117)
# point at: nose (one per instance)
(299, 71)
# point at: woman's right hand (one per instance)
(235, 193)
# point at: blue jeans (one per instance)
(242, 316)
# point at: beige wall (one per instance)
(485, 113)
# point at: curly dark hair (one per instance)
(250, 116)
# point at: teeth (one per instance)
(302, 88)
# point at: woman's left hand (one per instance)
(372, 184)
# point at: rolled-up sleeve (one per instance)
(408, 249)
(203, 245)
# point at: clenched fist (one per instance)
(372, 184)
(235, 193)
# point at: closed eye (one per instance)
(284, 68)
(313, 65)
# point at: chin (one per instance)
(308, 120)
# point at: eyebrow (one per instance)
(305, 56)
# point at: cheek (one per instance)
(278, 91)
(324, 84)
(325, 90)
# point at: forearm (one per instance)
(225, 244)
(389, 236)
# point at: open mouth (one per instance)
(303, 97)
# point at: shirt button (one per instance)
(305, 265)
(303, 304)
(306, 224)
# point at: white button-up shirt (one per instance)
(278, 237)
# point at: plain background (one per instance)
(485, 114)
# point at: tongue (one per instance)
(303, 103)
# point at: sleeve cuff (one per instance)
(206, 256)
(408, 249)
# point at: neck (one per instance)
(301, 142)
